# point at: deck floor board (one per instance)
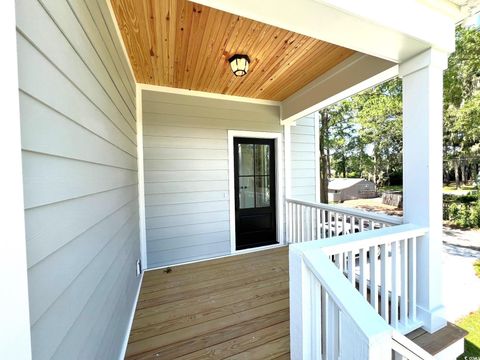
(230, 308)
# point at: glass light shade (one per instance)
(239, 64)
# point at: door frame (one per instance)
(279, 191)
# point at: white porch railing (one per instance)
(308, 221)
(334, 296)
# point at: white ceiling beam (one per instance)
(357, 73)
(395, 31)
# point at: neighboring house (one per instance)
(128, 143)
(340, 189)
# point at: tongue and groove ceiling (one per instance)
(181, 44)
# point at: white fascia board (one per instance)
(394, 31)
(355, 74)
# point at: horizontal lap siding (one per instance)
(303, 159)
(77, 99)
(186, 172)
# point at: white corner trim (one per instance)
(288, 160)
(120, 38)
(15, 332)
(141, 179)
(208, 95)
(123, 351)
(279, 173)
(317, 156)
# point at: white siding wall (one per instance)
(77, 99)
(303, 159)
(186, 172)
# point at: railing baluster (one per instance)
(394, 296)
(351, 267)
(318, 217)
(344, 224)
(332, 328)
(339, 261)
(313, 222)
(335, 225)
(289, 223)
(352, 224)
(412, 278)
(299, 224)
(324, 233)
(363, 276)
(373, 277)
(316, 301)
(404, 284)
(302, 224)
(323, 325)
(384, 281)
(293, 221)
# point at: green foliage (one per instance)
(462, 96)
(471, 323)
(365, 134)
(464, 214)
(476, 267)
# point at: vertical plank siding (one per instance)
(303, 159)
(77, 100)
(186, 172)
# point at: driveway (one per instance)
(461, 287)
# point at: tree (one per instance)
(379, 118)
(462, 103)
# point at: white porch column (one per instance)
(14, 310)
(422, 174)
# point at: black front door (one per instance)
(255, 221)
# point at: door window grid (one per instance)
(256, 158)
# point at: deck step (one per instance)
(446, 343)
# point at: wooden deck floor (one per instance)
(235, 308)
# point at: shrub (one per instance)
(464, 214)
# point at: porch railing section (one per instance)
(308, 221)
(342, 287)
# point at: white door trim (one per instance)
(279, 184)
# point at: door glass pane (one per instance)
(262, 184)
(262, 159)
(246, 192)
(245, 159)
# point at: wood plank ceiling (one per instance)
(181, 44)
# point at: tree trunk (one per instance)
(457, 175)
(324, 156)
(329, 165)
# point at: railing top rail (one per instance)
(346, 297)
(371, 238)
(363, 240)
(393, 220)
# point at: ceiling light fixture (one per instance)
(239, 64)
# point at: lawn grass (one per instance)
(476, 266)
(471, 323)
